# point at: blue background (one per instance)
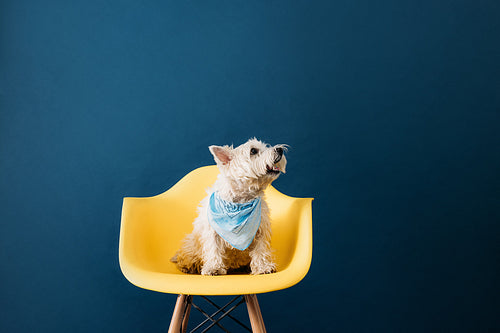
(391, 109)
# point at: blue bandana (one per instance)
(237, 223)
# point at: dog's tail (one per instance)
(174, 258)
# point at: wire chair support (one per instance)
(184, 303)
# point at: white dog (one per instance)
(233, 230)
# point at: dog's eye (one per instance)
(254, 151)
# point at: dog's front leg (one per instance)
(261, 259)
(213, 255)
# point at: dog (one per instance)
(232, 232)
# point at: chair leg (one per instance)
(180, 318)
(254, 313)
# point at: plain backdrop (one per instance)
(391, 109)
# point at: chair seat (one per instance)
(152, 229)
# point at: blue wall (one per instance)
(392, 110)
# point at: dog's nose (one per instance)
(279, 152)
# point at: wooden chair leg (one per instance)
(180, 318)
(254, 313)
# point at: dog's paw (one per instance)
(263, 269)
(211, 271)
(269, 271)
(272, 270)
(189, 270)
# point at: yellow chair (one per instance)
(152, 229)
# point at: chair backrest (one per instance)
(153, 227)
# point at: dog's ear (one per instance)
(222, 154)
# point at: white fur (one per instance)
(243, 177)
